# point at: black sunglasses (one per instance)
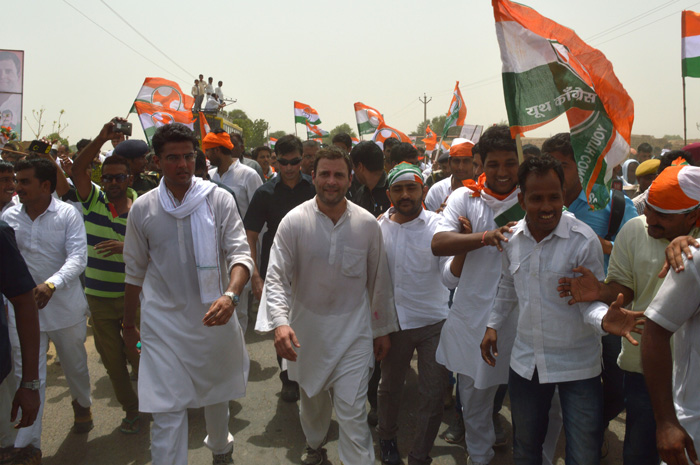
(107, 178)
(285, 162)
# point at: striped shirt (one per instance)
(104, 276)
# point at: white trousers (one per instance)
(70, 347)
(477, 411)
(8, 387)
(355, 445)
(169, 434)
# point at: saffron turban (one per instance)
(675, 190)
(461, 148)
(212, 140)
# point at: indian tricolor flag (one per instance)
(154, 116)
(690, 48)
(430, 139)
(368, 118)
(304, 113)
(313, 131)
(457, 112)
(271, 143)
(385, 132)
(548, 70)
(355, 141)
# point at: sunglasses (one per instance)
(107, 178)
(285, 162)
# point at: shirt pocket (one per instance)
(354, 262)
(418, 259)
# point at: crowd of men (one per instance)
(205, 92)
(488, 264)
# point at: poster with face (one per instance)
(11, 83)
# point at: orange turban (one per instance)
(675, 190)
(461, 148)
(212, 140)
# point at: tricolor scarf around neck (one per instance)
(505, 207)
(203, 223)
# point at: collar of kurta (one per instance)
(562, 229)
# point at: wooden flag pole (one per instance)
(685, 127)
(519, 148)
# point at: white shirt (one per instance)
(219, 93)
(421, 298)
(676, 308)
(54, 246)
(184, 364)
(209, 89)
(476, 288)
(14, 201)
(242, 179)
(212, 104)
(330, 283)
(438, 194)
(561, 341)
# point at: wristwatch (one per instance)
(33, 385)
(51, 285)
(234, 298)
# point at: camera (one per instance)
(123, 127)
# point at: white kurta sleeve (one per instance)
(380, 288)
(447, 277)
(506, 298)
(280, 269)
(453, 210)
(76, 250)
(252, 183)
(135, 247)
(233, 238)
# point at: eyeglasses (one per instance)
(107, 178)
(175, 158)
(285, 162)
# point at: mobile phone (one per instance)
(38, 146)
(123, 127)
(617, 184)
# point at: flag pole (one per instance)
(519, 148)
(685, 127)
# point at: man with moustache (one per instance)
(461, 168)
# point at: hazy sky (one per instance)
(329, 55)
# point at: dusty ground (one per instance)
(266, 429)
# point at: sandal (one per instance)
(132, 426)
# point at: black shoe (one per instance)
(290, 391)
(389, 452)
(454, 434)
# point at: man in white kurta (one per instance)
(188, 360)
(329, 294)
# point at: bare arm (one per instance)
(671, 438)
(27, 318)
(81, 180)
(587, 288)
(256, 280)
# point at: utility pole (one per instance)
(425, 102)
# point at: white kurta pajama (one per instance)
(184, 364)
(331, 284)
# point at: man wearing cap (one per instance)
(105, 211)
(242, 179)
(635, 262)
(645, 173)
(135, 151)
(421, 305)
(330, 303)
(675, 311)
(461, 167)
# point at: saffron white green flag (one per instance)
(313, 131)
(457, 112)
(368, 118)
(304, 113)
(160, 102)
(547, 71)
(690, 45)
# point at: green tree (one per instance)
(278, 134)
(436, 124)
(345, 127)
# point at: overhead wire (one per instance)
(144, 37)
(121, 41)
